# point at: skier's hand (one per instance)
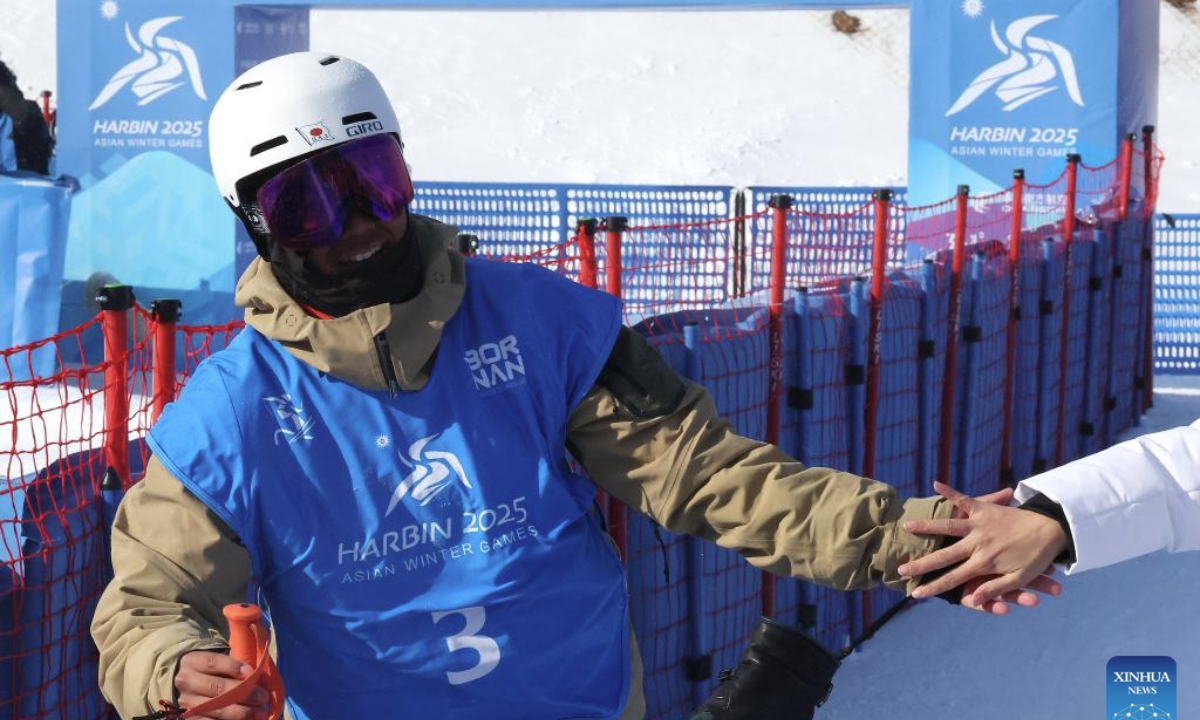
(1001, 550)
(204, 675)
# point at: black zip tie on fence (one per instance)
(856, 374)
(1047, 307)
(800, 398)
(926, 349)
(973, 333)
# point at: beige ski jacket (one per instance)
(176, 564)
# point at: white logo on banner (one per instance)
(432, 472)
(1029, 70)
(159, 69)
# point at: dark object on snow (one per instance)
(1188, 5)
(846, 23)
(783, 675)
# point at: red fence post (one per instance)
(115, 303)
(618, 526)
(1126, 168)
(1014, 315)
(1151, 191)
(585, 235)
(883, 199)
(950, 377)
(781, 205)
(1073, 161)
(879, 258)
(164, 313)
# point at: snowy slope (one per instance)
(683, 97)
(944, 662)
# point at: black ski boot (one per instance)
(783, 675)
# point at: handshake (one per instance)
(996, 556)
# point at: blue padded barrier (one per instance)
(1079, 274)
(65, 565)
(1099, 345)
(34, 215)
(859, 327)
(823, 349)
(983, 344)
(1026, 385)
(1128, 316)
(898, 436)
(1049, 353)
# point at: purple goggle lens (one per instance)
(306, 206)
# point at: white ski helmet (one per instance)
(290, 106)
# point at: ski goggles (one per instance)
(306, 206)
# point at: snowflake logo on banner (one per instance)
(109, 9)
(1142, 712)
(1029, 69)
(973, 8)
(160, 67)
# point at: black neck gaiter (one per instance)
(396, 275)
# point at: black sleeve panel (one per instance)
(640, 380)
(1043, 505)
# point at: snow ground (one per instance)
(681, 97)
(940, 661)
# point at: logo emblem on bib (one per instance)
(431, 473)
(293, 426)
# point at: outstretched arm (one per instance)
(656, 443)
(1132, 499)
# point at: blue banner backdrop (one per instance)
(999, 86)
(137, 86)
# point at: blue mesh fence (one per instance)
(1177, 294)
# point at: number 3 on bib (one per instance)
(469, 639)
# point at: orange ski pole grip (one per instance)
(243, 619)
(247, 643)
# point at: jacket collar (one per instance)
(345, 347)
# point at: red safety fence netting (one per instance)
(55, 509)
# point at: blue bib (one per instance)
(429, 555)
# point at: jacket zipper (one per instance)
(385, 361)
